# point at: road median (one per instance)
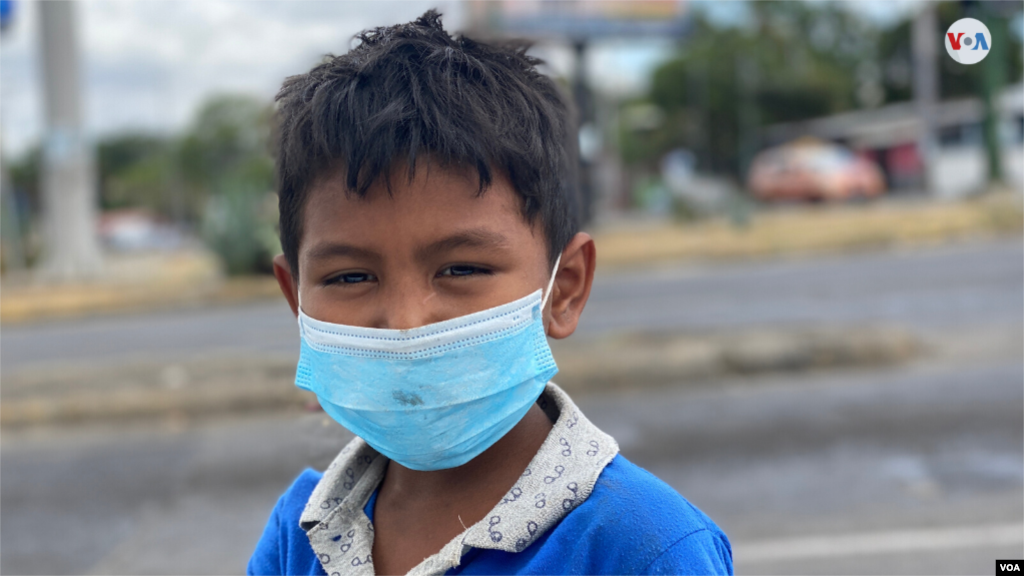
(815, 229)
(664, 359)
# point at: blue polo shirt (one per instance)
(632, 523)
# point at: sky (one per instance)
(147, 65)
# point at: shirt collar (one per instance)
(559, 477)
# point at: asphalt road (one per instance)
(847, 460)
(931, 290)
(914, 469)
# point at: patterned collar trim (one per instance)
(559, 478)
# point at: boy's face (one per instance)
(431, 250)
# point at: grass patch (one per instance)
(814, 229)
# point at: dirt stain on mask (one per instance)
(407, 399)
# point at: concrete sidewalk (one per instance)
(220, 386)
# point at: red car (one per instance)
(813, 170)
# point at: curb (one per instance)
(31, 303)
(199, 388)
(222, 386)
(652, 360)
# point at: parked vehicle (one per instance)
(811, 169)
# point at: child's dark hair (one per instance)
(412, 89)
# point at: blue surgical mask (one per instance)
(432, 397)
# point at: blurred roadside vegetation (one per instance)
(216, 180)
(792, 61)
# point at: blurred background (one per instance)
(807, 318)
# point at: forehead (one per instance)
(437, 200)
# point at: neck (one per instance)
(492, 472)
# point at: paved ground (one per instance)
(918, 469)
(926, 289)
(926, 449)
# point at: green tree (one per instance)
(228, 139)
(797, 61)
(225, 142)
(216, 177)
(24, 173)
(955, 80)
(228, 176)
(137, 170)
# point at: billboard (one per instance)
(578, 19)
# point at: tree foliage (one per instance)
(955, 80)
(796, 61)
(225, 143)
(215, 177)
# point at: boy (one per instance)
(430, 246)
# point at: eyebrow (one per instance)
(337, 250)
(468, 238)
(478, 238)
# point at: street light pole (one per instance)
(72, 250)
(585, 119)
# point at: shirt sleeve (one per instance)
(700, 552)
(269, 555)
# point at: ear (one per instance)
(573, 280)
(289, 287)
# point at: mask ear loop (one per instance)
(551, 283)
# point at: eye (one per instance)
(351, 278)
(462, 270)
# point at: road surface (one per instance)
(847, 459)
(911, 469)
(931, 290)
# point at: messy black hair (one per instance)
(410, 90)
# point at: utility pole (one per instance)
(585, 119)
(747, 79)
(993, 77)
(747, 114)
(71, 250)
(924, 47)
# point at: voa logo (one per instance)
(968, 41)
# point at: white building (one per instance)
(889, 135)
